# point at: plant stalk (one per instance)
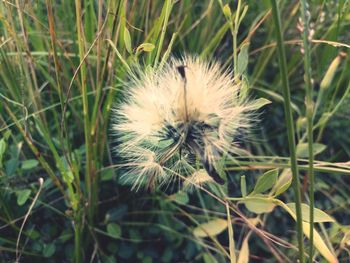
(235, 33)
(289, 124)
(305, 16)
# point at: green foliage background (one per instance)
(62, 65)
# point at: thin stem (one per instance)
(290, 125)
(36, 152)
(305, 16)
(88, 145)
(77, 238)
(235, 32)
(168, 8)
(89, 176)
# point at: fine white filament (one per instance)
(177, 120)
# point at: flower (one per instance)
(176, 120)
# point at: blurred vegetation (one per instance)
(62, 65)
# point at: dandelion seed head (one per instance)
(171, 118)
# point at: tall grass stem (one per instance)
(289, 124)
(305, 17)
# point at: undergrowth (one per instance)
(62, 68)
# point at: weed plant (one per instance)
(63, 67)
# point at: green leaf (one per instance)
(303, 149)
(257, 104)
(180, 197)
(244, 90)
(34, 234)
(114, 230)
(22, 196)
(320, 244)
(283, 182)
(65, 235)
(243, 13)
(49, 250)
(319, 215)
(70, 176)
(208, 258)
(259, 206)
(243, 256)
(107, 175)
(29, 164)
(146, 47)
(266, 181)
(211, 228)
(127, 40)
(243, 186)
(328, 77)
(2, 150)
(318, 241)
(242, 60)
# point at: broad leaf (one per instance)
(319, 215)
(259, 205)
(303, 149)
(29, 164)
(211, 228)
(259, 103)
(266, 181)
(22, 196)
(180, 197)
(242, 60)
(114, 230)
(127, 40)
(283, 182)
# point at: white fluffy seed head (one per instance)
(168, 121)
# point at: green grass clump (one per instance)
(62, 68)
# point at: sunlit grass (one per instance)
(63, 65)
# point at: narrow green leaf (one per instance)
(127, 67)
(244, 12)
(317, 239)
(242, 60)
(2, 150)
(230, 235)
(243, 256)
(22, 196)
(107, 174)
(29, 164)
(303, 150)
(320, 244)
(266, 181)
(11, 166)
(259, 206)
(49, 250)
(319, 215)
(114, 230)
(257, 104)
(283, 182)
(211, 228)
(328, 77)
(181, 197)
(243, 186)
(208, 258)
(127, 40)
(214, 42)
